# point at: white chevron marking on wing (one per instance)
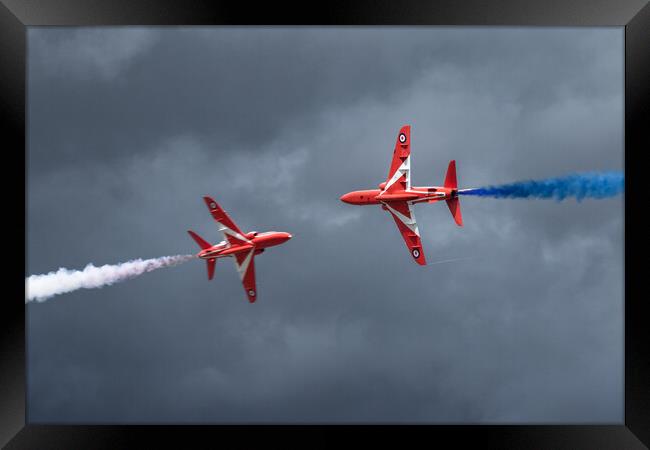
(404, 169)
(244, 265)
(225, 230)
(408, 221)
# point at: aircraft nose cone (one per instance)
(284, 237)
(345, 198)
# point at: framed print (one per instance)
(431, 211)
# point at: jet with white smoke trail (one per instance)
(41, 287)
(241, 246)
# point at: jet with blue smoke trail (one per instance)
(595, 185)
(397, 196)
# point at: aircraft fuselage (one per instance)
(427, 194)
(258, 241)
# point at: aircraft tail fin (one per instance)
(453, 203)
(199, 240)
(450, 178)
(204, 244)
(211, 263)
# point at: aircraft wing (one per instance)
(399, 175)
(245, 263)
(402, 213)
(230, 230)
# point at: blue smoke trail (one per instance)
(578, 185)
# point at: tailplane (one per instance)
(454, 207)
(453, 203)
(199, 240)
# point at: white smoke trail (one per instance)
(42, 287)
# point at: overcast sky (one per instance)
(129, 127)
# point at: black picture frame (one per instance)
(16, 15)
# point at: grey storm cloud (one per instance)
(88, 53)
(129, 127)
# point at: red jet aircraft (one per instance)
(242, 246)
(397, 196)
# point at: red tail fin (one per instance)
(199, 240)
(453, 202)
(450, 178)
(454, 207)
(211, 263)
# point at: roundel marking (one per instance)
(402, 138)
(251, 293)
(416, 253)
(213, 205)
